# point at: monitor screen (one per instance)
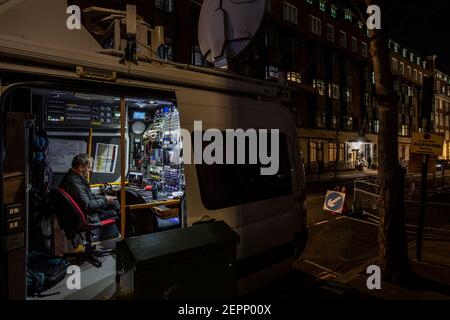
(138, 115)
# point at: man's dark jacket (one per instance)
(79, 189)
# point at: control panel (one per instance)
(75, 114)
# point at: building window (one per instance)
(294, 77)
(322, 5)
(320, 86)
(405, 131)
(333, 91)
(367, 99)
(333, 11)
(289, 12)
(396, 48)
(165, 5)
(420, 77)
(334, 121)
(348, 123)
(354, 44)
(424, 64)
(341, 151)
(320, 119)
(364, 49)
(373, 77)
(197, 57)
(394, 65)
(309, 1)
(313, 152)
(316, 25)
(343, 39)
(402, 68)
(271, 72)
(348, 15)
(348, 96)
(405, 53)
(376, 126)
(166, 51)
(418, 61)
(415, 75)
(408, 72)
(411, 57)
(332, 148)
(330, 33)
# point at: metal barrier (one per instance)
(365, 196)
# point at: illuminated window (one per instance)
(294, 77)
(332, 148)
(333, 11)
(348, 15)
(313, 152)
(271, 72)
(322, 5)
(320, 86)
(394, 65)
(333, 91)
(376, 126)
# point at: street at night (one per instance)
(225, 158)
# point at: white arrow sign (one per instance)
(332, 202)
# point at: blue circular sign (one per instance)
(334, 201)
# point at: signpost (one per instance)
(334, 202)
(427, 143)
(425, 148)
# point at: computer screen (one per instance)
(138, 115)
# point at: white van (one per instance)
(268, 212)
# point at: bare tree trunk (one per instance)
(394, 261)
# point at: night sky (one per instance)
(422, 25)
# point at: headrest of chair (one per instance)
(133, 197)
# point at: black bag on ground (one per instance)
(44, 271)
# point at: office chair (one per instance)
(73, 222)
(145, 221)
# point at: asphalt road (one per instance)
(339, 245)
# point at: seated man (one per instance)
(95, 207)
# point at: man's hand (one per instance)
(110, 200)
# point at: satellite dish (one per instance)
(226, 27)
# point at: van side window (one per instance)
(227, 185)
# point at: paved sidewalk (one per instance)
(341, 176)
(433, 270)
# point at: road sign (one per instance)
(415, 164)
(427, 143)
(334, 201)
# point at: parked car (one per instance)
(442, 164)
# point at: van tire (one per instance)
(300, 240)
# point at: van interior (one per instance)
(66, 123)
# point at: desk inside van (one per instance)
(159, 205)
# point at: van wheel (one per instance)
(300, 243)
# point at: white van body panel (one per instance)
(219, 99)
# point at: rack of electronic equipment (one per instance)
(162, 153)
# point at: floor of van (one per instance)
(96, 283)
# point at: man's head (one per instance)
(82, 164)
